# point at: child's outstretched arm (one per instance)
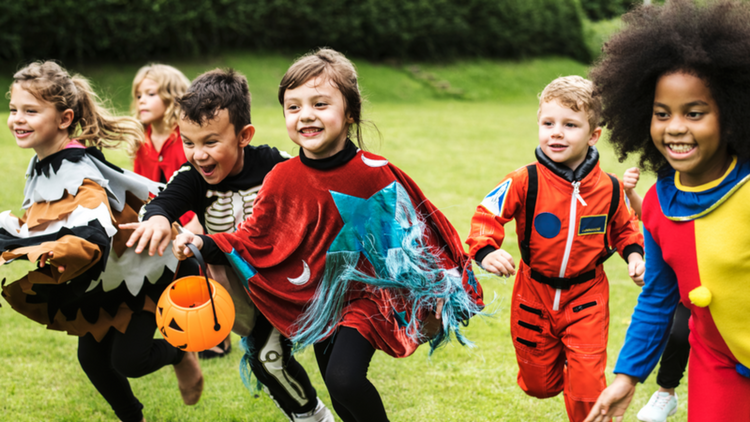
(498, 208)
(629, 181)
(179, 196)
(156, 232)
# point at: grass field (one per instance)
(457, 130)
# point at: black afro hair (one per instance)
(709, 39)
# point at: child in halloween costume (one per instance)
(219, 183)
(674, 360)
(342, 250)
(88, 283)
(156, 88)
(560, 305)
(676, 82)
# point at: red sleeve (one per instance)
(500, 206)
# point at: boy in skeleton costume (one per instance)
(219, 183)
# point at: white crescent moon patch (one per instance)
(304, 278)
(373, 163)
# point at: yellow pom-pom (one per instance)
(700, 297)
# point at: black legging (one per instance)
(674, 360)
(110, 363)
(273, 365)
(343, 360)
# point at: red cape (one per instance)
(295, 220)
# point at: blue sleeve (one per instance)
(649, 327)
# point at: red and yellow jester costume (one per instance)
(698, 242)
(560, 304)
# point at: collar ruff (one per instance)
(686, 205)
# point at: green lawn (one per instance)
(457, 130)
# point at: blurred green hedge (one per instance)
(597, 10)
(375, 29)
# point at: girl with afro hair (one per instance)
(675, 84)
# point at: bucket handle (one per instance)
(204, 271)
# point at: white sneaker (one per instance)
(319, 414)
(658, 408)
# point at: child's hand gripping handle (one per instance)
(204, 271)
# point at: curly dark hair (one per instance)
(710, 41)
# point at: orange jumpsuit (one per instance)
(560, 334)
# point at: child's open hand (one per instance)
(47, 257)
(614, 400)
(636, 268)
(179, 246)
(156, 232)
(499, 263)
(630, 178)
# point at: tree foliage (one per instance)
(597, 10)
(375, 29)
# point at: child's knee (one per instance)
(344, 387)
(129, 364)
(539, 387)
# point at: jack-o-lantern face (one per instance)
(185, 317)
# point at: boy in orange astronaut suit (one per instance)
(568, 212)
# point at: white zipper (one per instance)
(571, 232)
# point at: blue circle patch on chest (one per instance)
(547, 225)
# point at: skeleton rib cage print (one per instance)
(229, 209)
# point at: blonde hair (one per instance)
(575, 93)
(338, 70)
(93, 124)
(172, 85)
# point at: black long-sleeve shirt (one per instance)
(220, 207)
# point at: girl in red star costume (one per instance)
(343, 251)
(676, 88)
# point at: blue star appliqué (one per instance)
(371, 225)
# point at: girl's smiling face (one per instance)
(37, 124)
(316, 117)
(685, 129)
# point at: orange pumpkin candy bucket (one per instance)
(195, 313)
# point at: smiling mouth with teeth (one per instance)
(310, 130)
(680, 148)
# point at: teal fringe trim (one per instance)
(410, 270)
(246, 373)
